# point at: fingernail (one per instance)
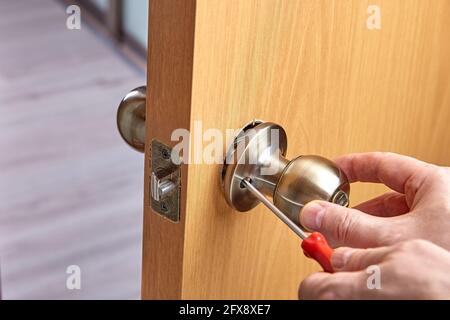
(311, 215)
(340, 257)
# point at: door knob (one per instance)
(258, 155)
(131, 118)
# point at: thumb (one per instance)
(343, 226)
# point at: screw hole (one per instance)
(242, 185)
(341, 198)
(165, 154)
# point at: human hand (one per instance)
(419, 206)
(414, 269)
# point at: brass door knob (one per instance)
(131, 118)
(258, 154)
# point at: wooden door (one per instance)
(313, 66)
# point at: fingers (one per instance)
(344, 226)
(326, 286)
(387, 205)
(396, 171)
(350, 279)
(349, 259)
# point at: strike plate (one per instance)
(165, 182)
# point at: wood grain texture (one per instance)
(336, 87)
(70, 188)
(170, 62)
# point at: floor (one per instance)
(70, 189)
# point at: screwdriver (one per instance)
(314, 246)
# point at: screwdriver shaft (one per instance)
(247, 183)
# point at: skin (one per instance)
(417, 208)
(413, 269)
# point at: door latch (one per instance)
(165, 182)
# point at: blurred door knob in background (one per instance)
(131, 118)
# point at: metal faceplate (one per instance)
(165, 182)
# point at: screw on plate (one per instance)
(165, 154)
(164, 207)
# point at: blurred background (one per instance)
(70, 188)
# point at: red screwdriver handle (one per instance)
(317, 248)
